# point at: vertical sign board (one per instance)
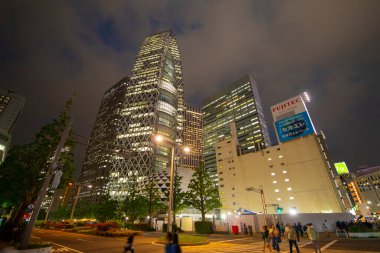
(292, 119)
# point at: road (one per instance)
(71, 242)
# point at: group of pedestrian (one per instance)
(272, 236)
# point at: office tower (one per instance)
(97, 162)
(192, 137)
(239, 103)
(153, 105)
(11, 106)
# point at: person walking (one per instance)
(129, 244)
(265, 234)
(313, 237)
(297, 231)
(291, 235)
(278, 226)
(299, 228)
(245, 230)
(274, 236)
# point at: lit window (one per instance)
(280, 156)
(269, 159)
(291, 198)
(289, 188)
(275, 182)
(284, 172)
(276, 190)
(286, 179)
(279, 199)
(273, 174)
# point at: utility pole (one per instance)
(261, 191)
(45, 186)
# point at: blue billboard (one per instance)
(294, 126)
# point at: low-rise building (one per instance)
(295, 175)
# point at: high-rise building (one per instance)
(153, 104)
(192, 137)
(97, 162)
(11, 106)
(239, 103)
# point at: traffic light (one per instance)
(279, 209)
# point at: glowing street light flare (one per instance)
(159, 138)
(186, 149)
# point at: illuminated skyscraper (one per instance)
(11, 106)
(239, 103)
(192, 137)
(97, 162)
(153, 105)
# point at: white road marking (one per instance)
(67, 247)
(328, 245)
(233, 240)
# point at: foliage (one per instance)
(179, 196)
(134, 205)
(106, 209)
(139, 226)
(124, 233)
(203, 227)
(61, 213)
(174, 227)
(105, 226)
(84, 209)
(202, 193)
(152, 194)
(24, 169)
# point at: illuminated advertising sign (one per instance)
(294, 126)
(341, 168)
(287, 108)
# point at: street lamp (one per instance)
(261, 191)
(76, 200)
(160, 138)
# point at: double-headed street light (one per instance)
(159, 138)
(76, 200)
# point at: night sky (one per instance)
(51, 49)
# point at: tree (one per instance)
(106, 209)
(134, 204)
(61, 213)
(179, 196)
(152, 194)
(202, 193)
(23, 171)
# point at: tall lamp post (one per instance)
(160, 138)
(261, 191)
(76, 200)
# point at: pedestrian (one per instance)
(245, 230)
(282, 228)
(129, 244)
(313, 237)
(274, 236)
(304, 230)
(297, 231)
(325, 230)
(169, 238)
(175, 245)
(265, 234)
(291, 235)
(278, 228)
(299, 228)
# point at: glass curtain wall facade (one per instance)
(97, 162)
(192, 137)
(239, 103)
(153, 104)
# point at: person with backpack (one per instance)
(274, 235)
(173, 243)
(291, 235)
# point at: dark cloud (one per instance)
(50, 49)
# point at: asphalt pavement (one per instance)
(81, 243)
